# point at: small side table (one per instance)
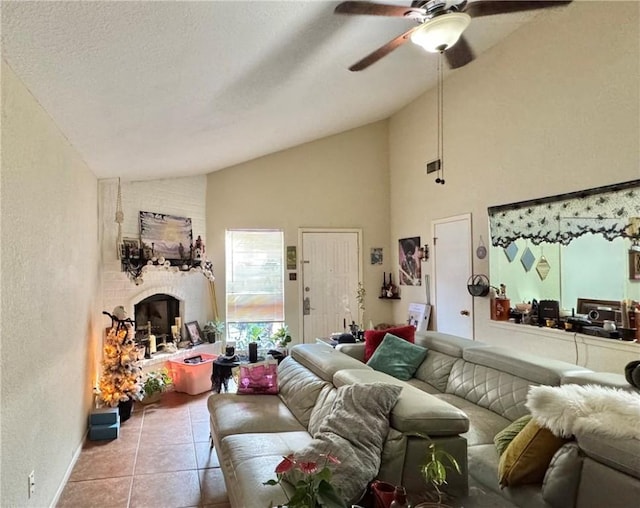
(221, 373)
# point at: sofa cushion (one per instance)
(415, 411)
(620, 454)
(560, 483)
(435, 369)
(373, 338)
(241, 414)
(527, 457)
(248, 460)
(354, 431)
(324, 361)
(503, 393)
(537, 369)
(484, 424)
(397, 357)
(323, 406)
(299, 388)
(503, 438)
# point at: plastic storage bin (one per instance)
(192, 378)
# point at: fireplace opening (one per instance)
(161, 311)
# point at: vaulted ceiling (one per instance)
(163, 89)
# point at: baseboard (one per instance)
(67, 474)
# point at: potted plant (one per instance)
(213, 330)
(154, 384)
(311, 480)
(434, 471)
(281, 337)
(253, 335)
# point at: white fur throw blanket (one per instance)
(576, 409)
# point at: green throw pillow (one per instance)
(397, 357)
(506, 435)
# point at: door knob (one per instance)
(464, 313)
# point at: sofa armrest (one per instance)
(353, 350)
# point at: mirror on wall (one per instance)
(588, 267)
(568, 247)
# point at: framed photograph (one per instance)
(166, 236)
(376, 255)
(410, 272)
(130, 248)
(292, 257)
(195, 334)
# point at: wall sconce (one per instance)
(424, 253)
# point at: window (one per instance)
(255, 284)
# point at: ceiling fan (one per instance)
(440, 24)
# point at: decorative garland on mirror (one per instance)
(559, 219)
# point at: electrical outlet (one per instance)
(32, 483)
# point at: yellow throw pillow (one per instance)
(527, 457)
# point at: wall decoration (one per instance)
(165, 236)
(481, 251)
(419, 315)
(376, 255)
(511, 251)
(543, 267)
(292, 257)
(527, 259)
(410, 273)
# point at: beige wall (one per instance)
(50, 280)
(555, 108)
(336, 182)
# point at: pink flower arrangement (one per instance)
(312, 482)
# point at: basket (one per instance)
(478, 285)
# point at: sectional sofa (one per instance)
(490, 385)
(461, 396)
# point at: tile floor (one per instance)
(160, 460)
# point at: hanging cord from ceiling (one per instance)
(119, 221)
(440, 178)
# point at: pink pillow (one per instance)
(373, 338)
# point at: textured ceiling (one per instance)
(162, 89)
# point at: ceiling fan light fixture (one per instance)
(441, 32)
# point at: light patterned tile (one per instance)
(166, 490)
(105, 493)
(206, 457)
(159, 459)
(212, 487)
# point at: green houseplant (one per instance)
(213, 330)
(154, 384)
(281, 337)
(435, 471)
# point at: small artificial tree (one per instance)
(121, 372)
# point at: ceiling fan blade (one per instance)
(383, 50)
(372, 9)
(459, 54)
(491, 7)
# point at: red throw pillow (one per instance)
(373, 338)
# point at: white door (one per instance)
(330, 275)
(452, 269)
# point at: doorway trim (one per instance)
(468, 217)
(303, 230)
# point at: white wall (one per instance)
(183, 197)
(337, 182)
(50, 285)
(554, 108)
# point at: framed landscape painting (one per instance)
(165, 236)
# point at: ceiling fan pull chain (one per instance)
(440, 178)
